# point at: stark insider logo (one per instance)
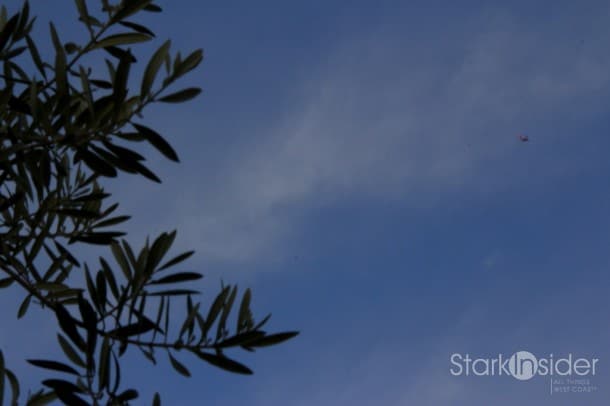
(522, 365)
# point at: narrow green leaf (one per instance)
(227, 307)
(152, 68)
(91, 22)
(273, 339)
(24, 307)
(142, 326)
(53, 365)
(70, 351)
(189, 321)
(122, 39)
(244, 316)
(177, 277)
(90, 285)
(148, 354)
(110, 278)
(117, 367)
(157, 141)
(111, 70)
(55, 38)
(120, 53)
(6, 282)
(15, 52)
(129, 394)
(224, 363)
(66, 391)
(67, 296)
(100, 282)
(63, 251)
(123, 153)
(137, 27)
(35, 56)
(215, 309)
(88, 315)
(243, 339)
(24, 16)
(262, 323)
(110, 210)
(159, 316)
(14, 386)
(8, 30)
(159, 248)
(182, 95)
(3, 16)
(61, 77)
(120, 83)
(131, 136)
(166, 328)
(100, 238)
(86, 90)
(130, 256)
(82, 9)
(111, 221)
(189, 63)
(96, 164)
(176, 260)
(181, 369)
(68, 325)
(153, 8)
(117, 162)
(129, 8)
(120, 258)
(89, 318)
(102, 84)
(60, 385)
(147, 173)
(41, 398)
(104, 365)
(92, 197)
(77, 213)
(143, 258)
(52, 287)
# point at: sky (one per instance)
(357, 164)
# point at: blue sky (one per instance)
(356, 164)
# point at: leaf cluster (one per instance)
(63, 128)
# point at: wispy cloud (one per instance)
(411, 372)
(385, 116)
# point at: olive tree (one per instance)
(66, 131)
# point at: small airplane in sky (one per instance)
(523, 138)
